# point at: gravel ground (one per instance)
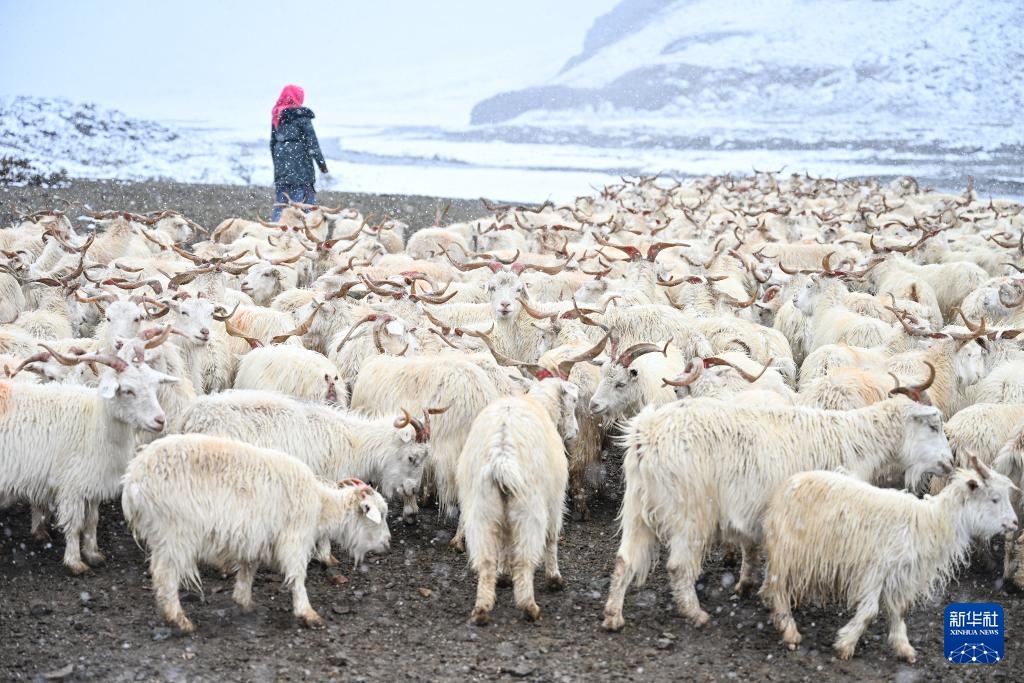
(210, 204)
(405, 616)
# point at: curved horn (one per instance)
(220, 313)
(980, 331)
(155, 284)
(509, 261)
(298, 331)
(188, 255)
(464, 267)
(715, 360)
(690, 374)
(235, 332)
(632, 252)
(378, 289)
(112, 361)
(928, 382)
(344, 290)
(736, 303)
(367, 318)
(657, 247)
(867, 268)
(40, 357)
(565, 367)
(156, 336)
(534, 313)
(500, 358)
(435, 300)
(626, 358)
(826, 265)
(108, 297)
(161, 308)
(550, 270)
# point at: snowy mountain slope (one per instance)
(90, 142)
(941, 71)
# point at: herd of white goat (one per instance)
(783, 364)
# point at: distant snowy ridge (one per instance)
(91, 142)
(923, 71)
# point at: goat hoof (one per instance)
(907, 653)
(312, 620)
(743, 589)
(699, 619)
(95, 558)
(614, 622)
(844, 652)
(78, 568)
(556, 583)
(480, 616)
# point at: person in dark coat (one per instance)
(294, 148)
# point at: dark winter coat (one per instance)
(294, 148)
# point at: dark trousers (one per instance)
(304, 194)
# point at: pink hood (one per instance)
(291, 96)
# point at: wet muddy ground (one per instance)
(404, 617)
(210, 204)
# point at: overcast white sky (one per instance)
(411, 61)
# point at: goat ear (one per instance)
(371, 512)
(405, 434)
(108, 385)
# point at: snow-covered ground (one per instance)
(687, 87)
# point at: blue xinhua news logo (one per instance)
(974, 633)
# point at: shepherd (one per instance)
(294, 148)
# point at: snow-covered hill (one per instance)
(88, 141)
(911, 72)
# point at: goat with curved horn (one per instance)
(914, 393)
(235, 332)
(534, 313)
(156, 336)
(428, 298)
(626, 358)
(465, 267)
(370, 317)
(299, 331)
(565, 367)
(221, 313)
(691, 372)
(550, 270)
(715, 360)
(112, 361)
(501, 359)
(632, 253)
